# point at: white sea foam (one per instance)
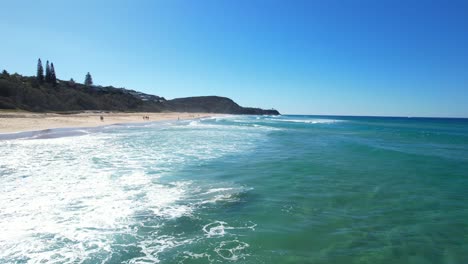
(232, 250)
(215, 190)
(190, 255)
(240, 125)
(216, 195)
(307, 121)
(69, 199)
(218, 228)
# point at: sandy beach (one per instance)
(19, 121)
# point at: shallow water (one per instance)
(288, 189)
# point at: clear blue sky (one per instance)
(405, 58)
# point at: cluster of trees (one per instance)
(51, 77)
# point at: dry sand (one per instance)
(18, 121)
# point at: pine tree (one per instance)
(5, 73)
(88, 80)
(40, 71)
(72, 81)
(47, 72)
(53, 78)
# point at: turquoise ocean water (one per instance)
(238, 189)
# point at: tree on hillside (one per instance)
(53, 78)
(5, 73)
(88, 80)
(72, 83)
(40, 71)
(47, 72)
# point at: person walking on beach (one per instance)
(102, 118)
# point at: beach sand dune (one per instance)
(19, 121)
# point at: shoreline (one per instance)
(19, 122)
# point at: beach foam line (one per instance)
(60, 132)
(80, 131)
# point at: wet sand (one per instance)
(19, 121)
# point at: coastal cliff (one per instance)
(213, 104)
(26, 93)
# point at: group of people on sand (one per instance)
(144, 118)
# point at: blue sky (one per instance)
(400, 58)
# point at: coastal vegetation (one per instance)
(46, 93)
(88, 80)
